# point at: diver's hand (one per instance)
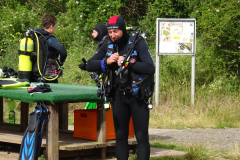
(82, 66)
(120, 60)
(113, 58)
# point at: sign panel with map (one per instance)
(176, 36)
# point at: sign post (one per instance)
(175, 36)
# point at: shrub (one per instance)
(164, 9)
(218, 25)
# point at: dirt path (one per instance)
(223, 139)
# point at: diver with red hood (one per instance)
(126, 100)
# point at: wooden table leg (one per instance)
(63, 116)
(52, 135)
(24, 116)
(101, 131)
(1, 109)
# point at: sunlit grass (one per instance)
(162, 144)
(234, 153)
(193, 152)
(210, 111)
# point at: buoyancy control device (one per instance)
(142, 86)
(33, 58)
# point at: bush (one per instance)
(218, 26)
(164, 9)
(85, 15)
(19, 16)
(217, 32)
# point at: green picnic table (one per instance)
(57, 101)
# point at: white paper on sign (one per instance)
(168, 47)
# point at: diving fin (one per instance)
(32, 138)
(13, 83)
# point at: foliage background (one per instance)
(217, 56)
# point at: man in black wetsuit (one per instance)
(125, 102)
(49, 45)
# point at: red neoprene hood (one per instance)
(116, 22)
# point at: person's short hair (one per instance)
(48, 20)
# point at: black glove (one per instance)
(40, 88)
(82, 66)
(9, 72)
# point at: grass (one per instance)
(134, 157)
(157, 144)
(198, 152)
(204, 114)
(234, 153)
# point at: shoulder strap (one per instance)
(139, 38)
(42, 36)
(103, 40)
(133, 40)
(110, 49)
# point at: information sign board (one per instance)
(176, 36)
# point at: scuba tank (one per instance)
(25, 52)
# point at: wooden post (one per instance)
(101, 130)
(1, 109)
(53, 133)
(63, 116)
(24, 116)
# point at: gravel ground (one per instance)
(223, 139)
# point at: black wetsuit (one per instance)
(127, 105)
(54, 49)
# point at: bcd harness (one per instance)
(106, 84)
(104, 39)
(102, 80)
(97, 76)
(33, 58)
(141, 85)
